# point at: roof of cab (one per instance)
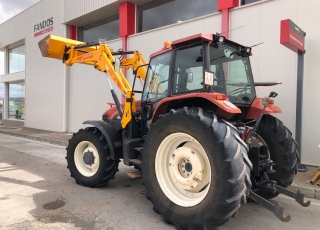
(191, 40)
(175, 43)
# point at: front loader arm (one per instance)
(102, 58)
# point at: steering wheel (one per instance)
(244, 97)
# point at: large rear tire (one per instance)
(195, 169)
(283, 152)
(89, 160)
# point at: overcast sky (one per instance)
(8, 9)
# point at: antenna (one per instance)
(257, 44)
(230, 30)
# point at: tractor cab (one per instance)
(205, 64)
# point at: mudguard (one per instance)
(257, 107)
(112, 136)
(224, 108)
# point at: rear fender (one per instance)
(223, 108)
(257, 107)
(112, 136)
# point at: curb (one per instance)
(41, 139)
(308, 192)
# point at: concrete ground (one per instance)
(37, 192)
(301, 181)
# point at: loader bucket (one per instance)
(54, 46)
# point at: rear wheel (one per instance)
(89, 159)
(283, 152)
(195, 169)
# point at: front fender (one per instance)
(113, 138)
(257, 107)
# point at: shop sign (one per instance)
(292, 36)
(43, 27)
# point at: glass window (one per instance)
(154, 14)
(17, 59)
(232, 75)
(16, 100)
(188, 74)
(156, 85)
(103, 29)
(1, 84)
(244, 2)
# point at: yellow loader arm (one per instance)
(102, 58)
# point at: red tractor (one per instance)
(202, 139)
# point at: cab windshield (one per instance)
(157, 81)
(232, 75)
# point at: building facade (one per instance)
(44, 94)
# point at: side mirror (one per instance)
(190, 77)
(273, 94)
(117, 65)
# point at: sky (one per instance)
(8, 9)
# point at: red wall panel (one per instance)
(227, 4)
(73, 32)
(127, 15)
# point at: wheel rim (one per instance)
(183, 169)
(90, 168)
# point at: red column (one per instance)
(224, 6)
(225, 23)
(127, 15)
(127, 21)
(73, 32)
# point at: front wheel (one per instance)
(195, 169)
(89, 159)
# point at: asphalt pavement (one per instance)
(37, 192)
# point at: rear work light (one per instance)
(221, 97)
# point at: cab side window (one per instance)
(188, 72)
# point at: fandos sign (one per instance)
(43, 27)
(292, 36)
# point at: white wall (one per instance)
(307, 18)
(274, 62)
(271, 61)
(44, 77)
(88, 92)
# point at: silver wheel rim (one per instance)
(83, 168)
(183, 169)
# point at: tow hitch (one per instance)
(259, 176)
(278, 208)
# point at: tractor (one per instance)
(201, 140)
